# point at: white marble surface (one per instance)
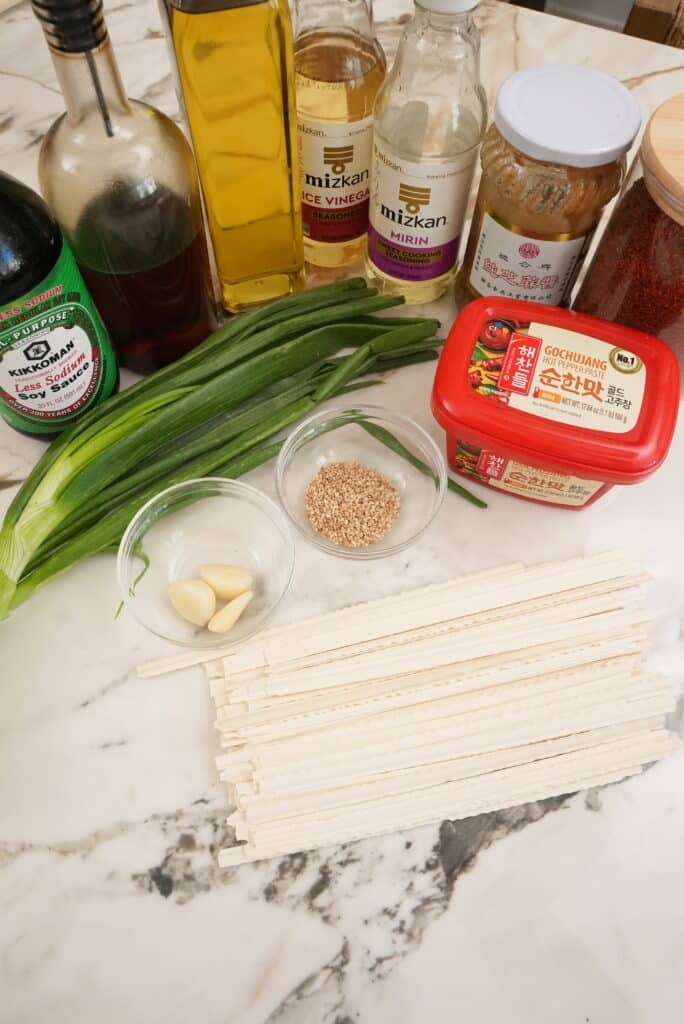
(111, 905)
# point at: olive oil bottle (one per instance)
(235, 68)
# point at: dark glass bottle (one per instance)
(121, 179)
(56, 360)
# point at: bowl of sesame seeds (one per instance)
(361, 482)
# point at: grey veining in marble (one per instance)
(112, 907)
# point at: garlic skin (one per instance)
(194, 600)
(225, 619)
(227, 581)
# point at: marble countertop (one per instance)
(112, 907)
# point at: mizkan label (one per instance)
(558, 374)
(335, 164)
(416, 214)
(509, 263)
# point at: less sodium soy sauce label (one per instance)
(55, 356)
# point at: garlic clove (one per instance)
(225, 619)
(227, 581)
(194, 600)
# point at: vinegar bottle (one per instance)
(121, 180)
(340, 66)
(55, 357)
(236, 73)
(430, 116)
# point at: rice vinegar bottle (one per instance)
(339, 67)
(430, 116)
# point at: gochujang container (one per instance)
(553, 406)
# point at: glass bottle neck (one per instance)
(91, 83)
(353, 16)
(461, 22)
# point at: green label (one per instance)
(56, 359)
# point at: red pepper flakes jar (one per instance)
(637, 275)
(551, 405)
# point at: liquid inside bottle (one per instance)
(429, 120)
(337, 80)
(161, 309)
(121, 179)
(236, 71)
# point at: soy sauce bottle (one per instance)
(56, 360)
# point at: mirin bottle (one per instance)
(430, 116)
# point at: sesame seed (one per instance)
(351, 504)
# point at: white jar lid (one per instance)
(448, 6)
(567, 114)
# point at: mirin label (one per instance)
(55, 356)
(416, 214)
(335, 175)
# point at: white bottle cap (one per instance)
(567, 114)
(448, 6)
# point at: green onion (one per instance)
(207, 414)
(390, 441)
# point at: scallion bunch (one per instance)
(213, 412)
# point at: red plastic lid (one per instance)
(558, 389)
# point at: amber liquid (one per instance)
(155, 316)
(237, 76)
(338, 76)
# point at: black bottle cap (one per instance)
(72, 26)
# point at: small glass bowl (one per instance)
(226, 522)
(338, 435)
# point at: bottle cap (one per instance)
(448, 6)
(567, 114)
(71, 26)
(662, 152)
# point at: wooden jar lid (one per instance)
(662, 152)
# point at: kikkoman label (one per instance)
(416, 214)
(55, 356)
(512, 264)
(335, 177)
(559, 375)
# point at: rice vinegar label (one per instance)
(334, 162)
(507, 262)
(416, 214)
(55, 355)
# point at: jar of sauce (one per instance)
(553, 158)
(637, 276)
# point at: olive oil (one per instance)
(236, 71)
(338, 77)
